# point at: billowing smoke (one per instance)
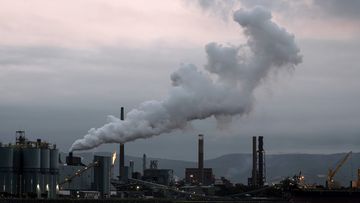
(225, 89)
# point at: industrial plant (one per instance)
(37, 170)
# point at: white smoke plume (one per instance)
(238, 70)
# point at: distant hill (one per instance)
(237, 167)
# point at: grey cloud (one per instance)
(345, 8)
(58, 76)
(225, 8)
(220, 8)
(276, 5)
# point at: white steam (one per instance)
(197, 95)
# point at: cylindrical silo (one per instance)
(17, 171)
(31, 170)
(45, 170)
(102, 175)
(54, 172)
(6, 169)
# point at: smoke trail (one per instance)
(196, 95)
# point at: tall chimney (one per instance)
(122, 161)
(122, 152)
(254, 166)
(201, 158)
(131, 165)
(122, 113)
(144, 163)
(261, 161)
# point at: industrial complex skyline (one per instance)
(65, 66)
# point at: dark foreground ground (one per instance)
(131, 201)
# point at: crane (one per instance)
(332, 172)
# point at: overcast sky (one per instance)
(66, 65)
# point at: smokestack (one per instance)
(261, 161)
(131, 165)
(201, 158)
(144, 163)
(254, 167)
(122, 161)
(122, 114)
(122, 152)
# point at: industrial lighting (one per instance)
(113, 158)
(38, 190)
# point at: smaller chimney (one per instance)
(254, 180)
(144, 163)
(131, 165)
(122, 161)
(122, 113)
(122, 152)
(201, 158)
(261, 174)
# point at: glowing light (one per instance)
(38, 189)
(113, 158)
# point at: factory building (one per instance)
(29, 168)
(199, 175)
(193, 176)
(78, 178)
(158, 176)
(73, 166)
(102, 173)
